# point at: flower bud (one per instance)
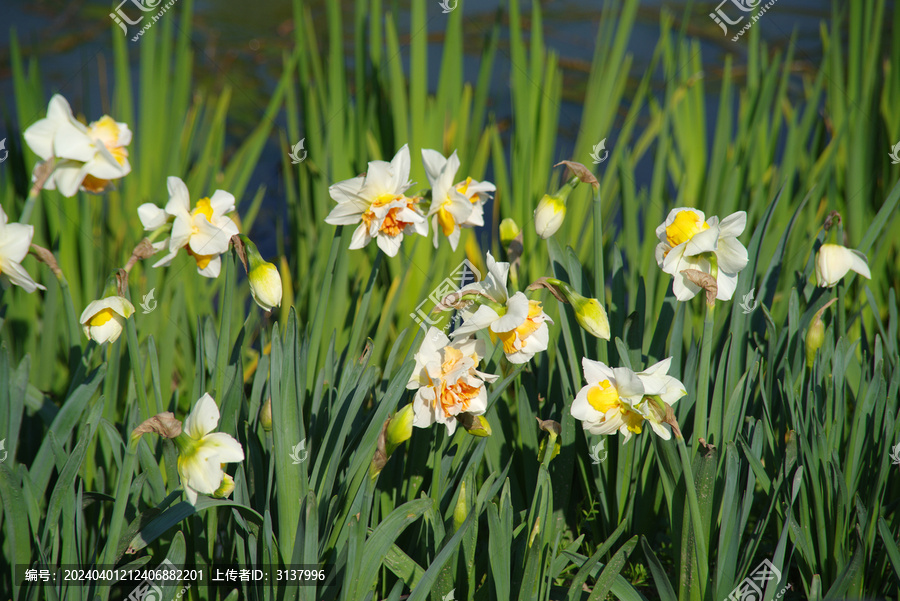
(589, 313)
(265, 281)
(461, 511)
(476, 425)
(815, 338)
(508, 231)
(549, 215)
(399, 429)
(265, 415)
(815, 335)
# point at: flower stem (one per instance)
(701, 408)
(702, 556)
(118, 515)
(42, 176)
(599, 275)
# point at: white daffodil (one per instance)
(689, 241)
(447, 381)
(519, 323)
(378, 203)
(608, 403)
(88, 157)
(203, 452)
(833, 261)
(453, 206)
(205, 232)
(660, 389)
(104, 319)
(15, 240)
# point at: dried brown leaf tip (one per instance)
(581, 172)
(705, 281)
(548, 425)
(163, 424)
(241, 250)
(554, 290)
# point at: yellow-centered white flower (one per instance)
(378, 203)
(619, 400)
(15, 240)
(520, 323)
(104, 319)
(447, 381)
(690, 241)
(204, 232)
(834, 261)
(453, 206)
(88, 156)
(202, 452)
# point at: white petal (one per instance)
(389, 244)
(212, 269)
(151, 216)
(228, 450)
(483, 317)
(733, 225)
(202, 419)
(179, 198)
(596, 371)
(221, 202)
(15, 240)
(517, 308)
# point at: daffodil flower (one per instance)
(608, 403)
(86, 157)
(834, 261)
(104, 319)
(204, 232)
(519, 323)
(447, 381)
(15, 240)
(620, 400)
(689, 241)
(660, 390)
(202, 452)
(265, 281)
(453, 206)
(378, 203)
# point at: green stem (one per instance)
(118, 516)
(696, 523)
(701, 409)
(599, 275)
(35, 191)
(134, 357)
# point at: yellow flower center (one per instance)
(391, 225)
(452, 395)
(203, 208)
(106, 131)
(687, 224)
(202, 260)
(633, 421)
(448, 223)
(603, 396)
(463, 186)
(528, 327)
(102, 317)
